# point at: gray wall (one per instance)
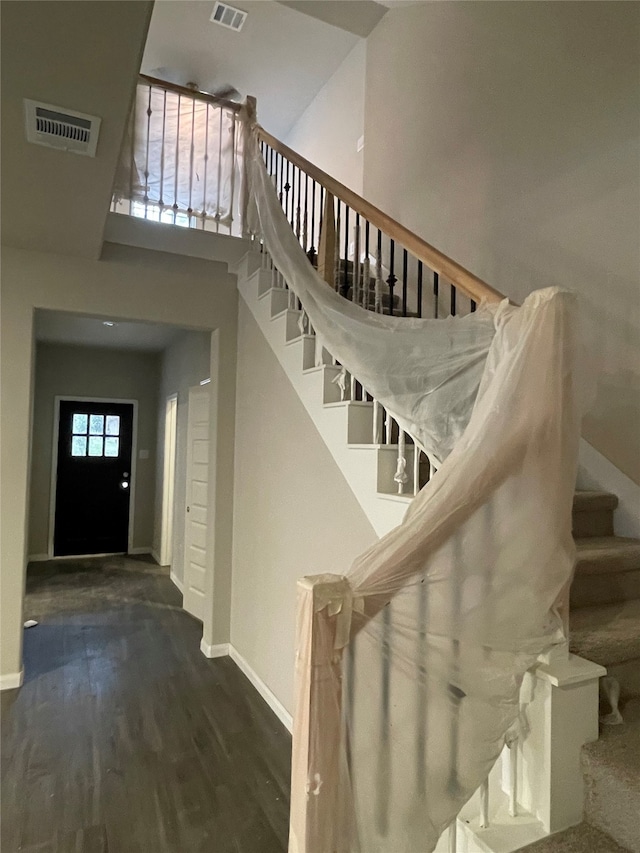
(92, 372)
(507, 134)
(127, 284)
(293, 515)
(185, 363)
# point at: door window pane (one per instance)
(80, 423)
(113, 425)
(95, 445)
(111, 446)
(96, 427)
(79, 445)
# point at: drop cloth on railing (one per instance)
(183, 153)
(408, 674)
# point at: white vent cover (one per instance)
(228, 16)
(56, 127)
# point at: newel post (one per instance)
(327, 248)
(319, 814)
(250, 110)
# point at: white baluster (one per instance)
(388, 427)
(453, 836)
(513, 777)
(416, 468)
(400, 477)
(377, 422)
(484, 804)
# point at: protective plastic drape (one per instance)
(409, 669)
(181, 152)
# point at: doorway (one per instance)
(93, 477)
(195, 529)
(168, 479)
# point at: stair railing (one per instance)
(181, 159)
(360, 251)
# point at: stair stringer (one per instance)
(358, 464)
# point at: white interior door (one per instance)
(195, 533)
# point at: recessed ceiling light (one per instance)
(108, 323)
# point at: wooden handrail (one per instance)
(457, 275)
(190, 93)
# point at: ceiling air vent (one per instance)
(56, 127)
(228, 16)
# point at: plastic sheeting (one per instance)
(183, 153)
(409, 669)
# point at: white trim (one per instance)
(597, 472)
(180, 586)
(54, 462)
(38, 558)
(170, 446)
(269, 697)
(11, 680)
(141, 550)
(155, 555)
(221, 650)
(81, 556)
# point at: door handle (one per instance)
(188, 509)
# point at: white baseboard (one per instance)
(11, 680)
(178, 583)
(156, 556)
(136, 551)
(221, 650)
(227, 650)
(597, 472)
(38, 558)
(269, 697)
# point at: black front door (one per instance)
(94, 478)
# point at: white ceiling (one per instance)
(75, 329)
(281, 56)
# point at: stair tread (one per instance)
(607, 634)
(618, 747)
(600, 554)
(611, 767)
(586, 500)
(583, 838)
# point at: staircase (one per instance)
(605, 595)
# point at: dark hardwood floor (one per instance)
(124, 737)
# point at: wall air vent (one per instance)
(228, 16)
(56, 127)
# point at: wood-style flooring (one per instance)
(124, 738)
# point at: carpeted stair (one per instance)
(605, 628)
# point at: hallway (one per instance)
(124, 737)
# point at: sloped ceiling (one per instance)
(280, 56)
(83, 56)
(355, 16)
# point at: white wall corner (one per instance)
(12, 680)
(267, 694)
(219, 650)
(180, 586)
(156, 556)
(595, 471)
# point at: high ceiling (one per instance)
(284, 54)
